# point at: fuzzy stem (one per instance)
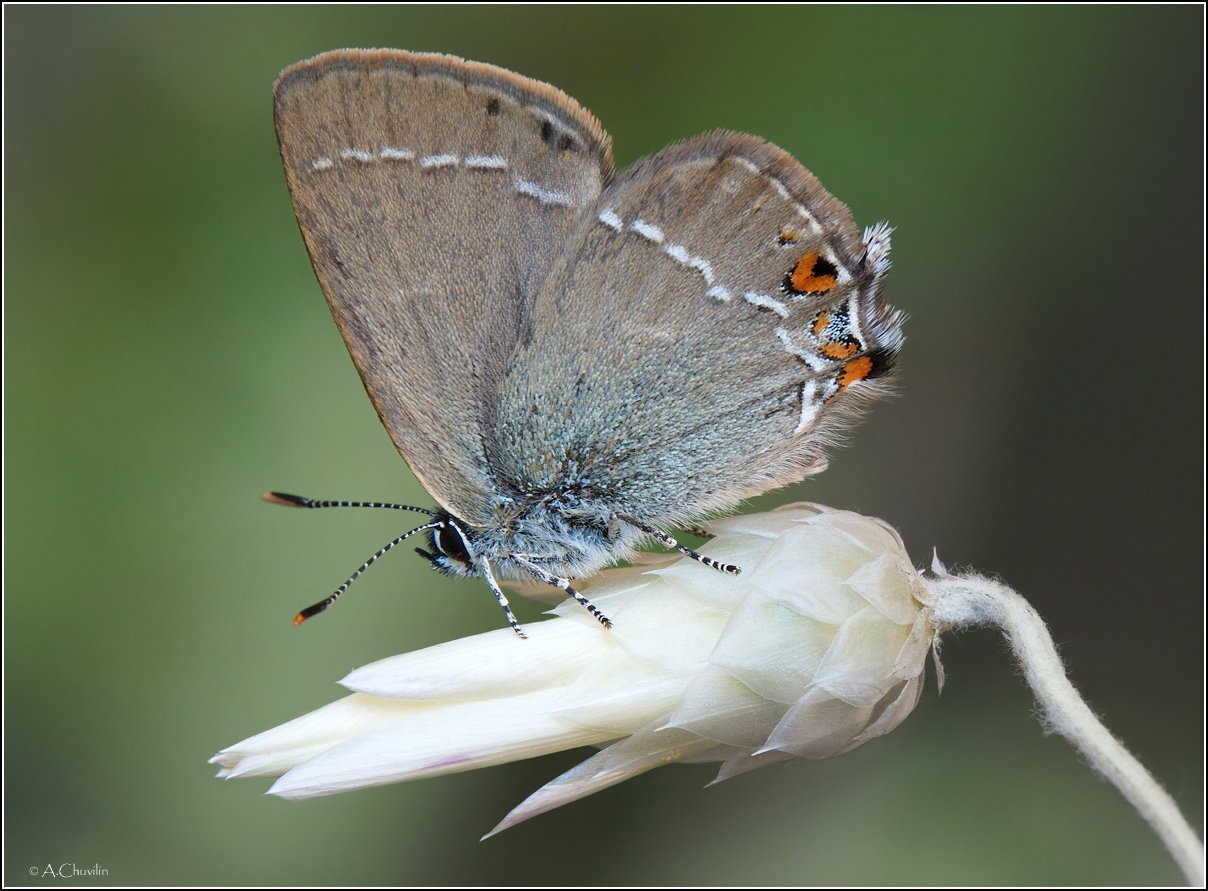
(973, 600)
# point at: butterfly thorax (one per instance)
(566, 535)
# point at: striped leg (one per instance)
(563, 585)
(485, 568)
(667, 541)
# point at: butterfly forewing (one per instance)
(434, 195)
(713, 316)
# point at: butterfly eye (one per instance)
(450, 543)
(813, 274)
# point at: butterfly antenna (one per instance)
(285, 500)
(335, 595)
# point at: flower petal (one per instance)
(618, 762)
(620, 696)
(804, 569)
(742, 762)
(772, 649)
(281, 748)
(896, 710)
(858, 667)
(720, 707)
(887, 583)
(496, 663)
(817, 727)
(771, 524)
(431, 739)
(911, 659)
(875, 536)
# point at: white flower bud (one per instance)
(817, 647)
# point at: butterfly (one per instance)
(572, 359)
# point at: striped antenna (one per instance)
(298, 501)
(335, 595)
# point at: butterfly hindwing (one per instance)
(711, 319)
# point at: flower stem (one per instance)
(974, 600)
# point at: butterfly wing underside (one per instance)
(713, 320)
(434, 195)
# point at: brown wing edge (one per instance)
(523, 90)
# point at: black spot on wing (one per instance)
(883, 361)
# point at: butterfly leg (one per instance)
(563, 585)
(666, 540)
(485, 568)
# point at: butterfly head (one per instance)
(451, 547)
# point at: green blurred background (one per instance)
(168, 356)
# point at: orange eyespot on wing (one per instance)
(855, 370)
(813, 274)
(843, 349)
